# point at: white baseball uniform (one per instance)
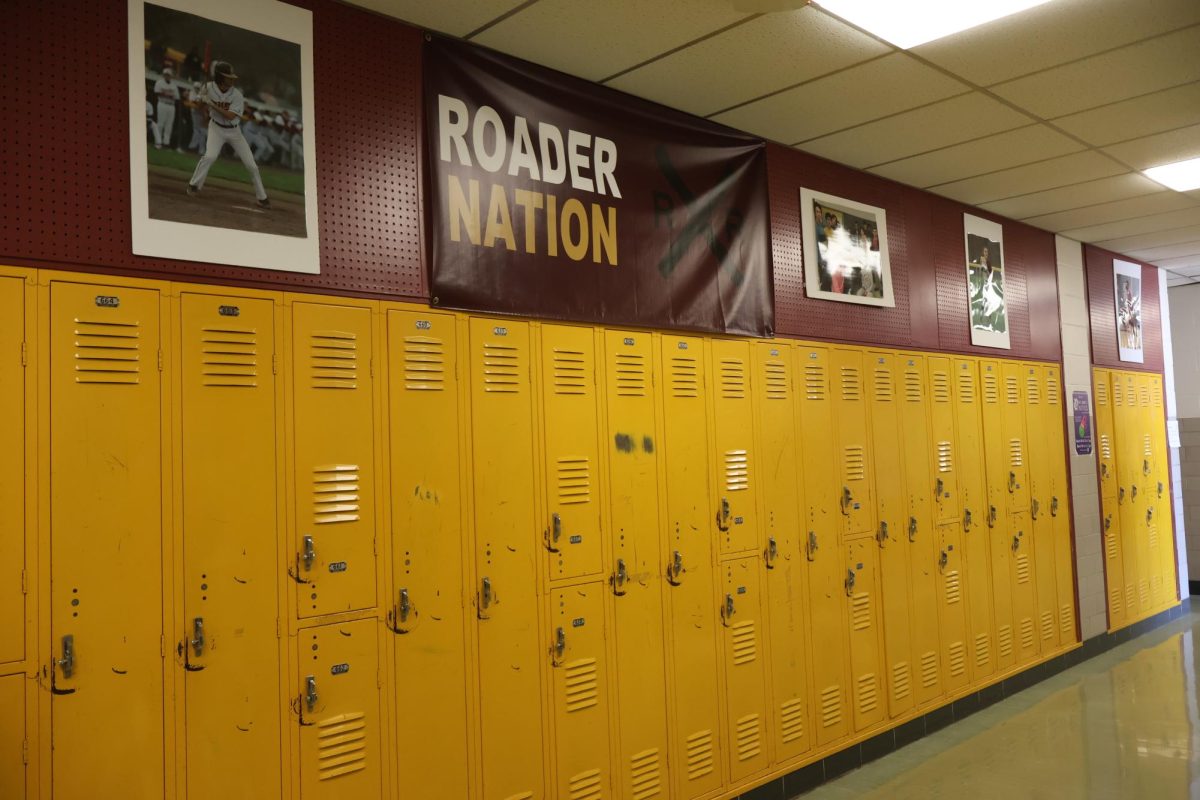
(221, 132)
(167, 93)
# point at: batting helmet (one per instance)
(223, 70)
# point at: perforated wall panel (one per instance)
(1098, 264)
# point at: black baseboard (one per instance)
(810, 777)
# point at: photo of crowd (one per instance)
(845, 250)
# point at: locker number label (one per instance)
(424, 325)
(108, 300)
(229, 311)
(577, 539)
(339, 669)
(629, 341)
(683, 345)
(741, 590)
(500, 330)
(577, 622)
(338, 566)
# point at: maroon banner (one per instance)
(554, 197)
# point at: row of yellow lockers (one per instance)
(279, 545)
(1138, 537)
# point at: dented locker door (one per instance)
(745, 667)
(1040, 456)
(733, 448)
(229, 644)
(580, 682)
(855, 496)
(786, 573)
(106, 601)
(338, 711)
(866, 641)
(943, 441)
(1024, 595)
(426, 616)
(1060, 505)
(953, 612)
(571, 532)
(826, 564)
(893, 544)
(1106, 452)
(334, 438)
(997, 456)
(689, 569)
(12, 469)
(636, 580)
(510, 646)
(13, 746)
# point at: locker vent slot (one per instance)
(1105, 447)
(1156, 396)
(733, 379)
(912, 387)
(333, 359)
(1101, 393)
(831, 706)
(941, 387)
(958, 659)
(885, 392)
(1114, 601)
(630, 370)
(502, 369)
(745, 642)
(737, 470)
(574, 481)
(1004, 640)
(521, 796)
(1130, 599)
(645, 774)
(991, 389)
(1033, 393)
(814, 382)
(1118, 394)
(860, 611)
(1022, 568)
(571, 373)
(929, 669)
(1110, 549)
(749, 737)
(791, 720)
(1066, 618)
(1052, 389)
(1147, 449)
(1047, 624)
(335, 493)
(1143, 396)
(945, 457)
(1155, 591)
(966, 387)
(582, 686)
(1143, 595)
(585, 786)
(107, 352)
(1152, 538)
(868, 693)
(342, 745)
(228, 357)
(1015, 457)
(424, 364)
(699, 754)
(851, 384)
(983, 649)
(901, 680)
(685, 377)
(1027, 633)
(856, 463)
(953, 590)
(777, 380)
(1012, 390)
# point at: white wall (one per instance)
(1184, 328)
(1181, 318)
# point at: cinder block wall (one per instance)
(1185, 334)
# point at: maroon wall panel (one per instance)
(1098, 264)
(64, 164)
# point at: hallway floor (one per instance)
(1124, 724)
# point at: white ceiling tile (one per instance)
(762, 56)
(1188, 265)
(1140, 116)
(1117, 187)
(1126, 244)
(1113, 212)
(1106, 78)
(1161, 148)
(455, 17)
(1062, 171)
(1178, 280)
(1131, 227)
(1167, 251)
(992, 153)
(596, 40)
(868, 91)
(1054, 33)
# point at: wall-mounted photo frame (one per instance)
(845, 250)
(986, 300)
(1127, 285)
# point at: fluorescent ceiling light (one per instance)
(908, 23)
(1182, 176)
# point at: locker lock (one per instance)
(1160, 489)
(1150, 514)
(309, 554)
(619, 577)
(554, 532)
(728, 610)
(1103, 469)
(1054, 506)
(1121, 494)
(1034, 509)
(560, 645)
(967, 520)
(847, 500)
(882, 534)
(404, 607)
(1133, 492)
(1145, 466)
(723, 515)
(849, 582)
(675, 568)
(486, 596)
(1012, 482)
(1107, 523)
(310, 693)
(1016, 543)
(912, 529)
(67, 662)
(771, 553)
(197, 640)
(812, 545)
(991, 516)
(943, 559)
(940, 488)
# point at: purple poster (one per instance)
(1083, 423)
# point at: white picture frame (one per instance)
(847, 260)
(1127, 302)
(987, 300)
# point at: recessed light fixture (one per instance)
(1182, 176)
(908, 23)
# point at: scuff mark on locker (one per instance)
(624, 442)
(647, 444)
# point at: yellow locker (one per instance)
(1060, 505)
(1153, 464)
(943, 440)
(229, 646)
(1105, 435)
(866, 641)
(338, 714)
(636, 582)
(1123, 523)
(1114, 566)
(1159, 492)
(107, 710)
(12, 736)
(998, 458)
(1019, 527)
(1014, 439)
(852, 433)
(892, 508)
(976, 550)
(745, 670)
(1132, 524)
(1041, 524)
(786, 577)
(571, 532)
(427, 615)
(920, 532)
(1110, 520)
(826, 564)
(510, 647)
(689, 569)
(1024, 595)
(334, 438)
(581, 692)
(12, 469)
(733, 446)
(953, 612)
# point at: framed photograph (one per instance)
(221, 137)
(988, 308)
(1127, 283)
(845, 250)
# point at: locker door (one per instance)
(853, 442)
(229, 643)
(953, 616)
(338, 711)
(786, 576)
(427, 614)
(636, 583)
(866, 642)
(1129, 464)
(1042, 525)
(972, 488)
(1060, 505)
(510, 652)
(1123, 523)
(920, 532)
(826, 563)
(998, 458)
(1114, 565)
(691, 617)
(1105, 434)
(944, 441)
(1015, 442)
(733, 448)
(1159, 491)
(581, 691)
(1144, 479)
(571, 532)
(105, 541)
(12, 735)
(333, 399)
(745, 671)
(895, 582)
(1024, 596)
(12, 470)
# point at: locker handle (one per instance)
(1145, 466)
(1012, 482)
(966, 520)
(1034, 509)
(723, 515)
(310, 553)
(847, 499)
(1103, 469)
(912, 529)
(485, 597)
(1133, 492)
(771, 553)
(943, 559)
(310, 693)
(675, 568)
(728, 610)
(67, 662)
(1016, 543)
(1149, 513)
(619, 577)
(882, 534)
(1107, 523)
(1054, 506)
(1121, 494)
(554, 533)
(940, 488)
(197, 640)
(560, 646)
(812, 545)
(992, 514)
(849, 582)
(1160, 489)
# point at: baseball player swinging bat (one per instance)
(225, 106)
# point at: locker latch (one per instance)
(847, 500)
(1133, 492)
(771, 553)
(1103, 469)
(966, 520)
(1121, 494)
(723, 515)
(554, 533)
(1160, 489)
(485, 597)
(309, 554)
(560, 645)
(812, 545)
(1012, 482)
(943, 559)
(1034, 509)
(310, 693)
(727, 610)
(882, 534)
(197, 640)
(67, 662)
(1145, 466)
(1149, 513)
(939, 488)
(1107, 523)
(619, 577)
(849, 582)
(1054, 506)
(991, 516)
(912, 529)
(1016, 543)
(675, 568)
